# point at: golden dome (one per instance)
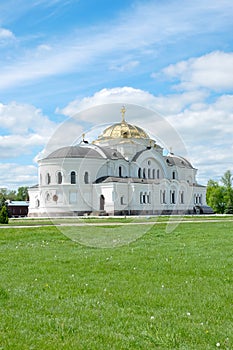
(122, 130)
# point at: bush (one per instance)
(4, 215)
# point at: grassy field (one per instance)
(162, 291)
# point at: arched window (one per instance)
(182, 197)
(59, 177)
(139, 173)
(120, 171)
(172, 197)
(164, 197)
(144, 198)
(144, 173)
(102, 202)
(48, 178)
(158, 175)
(153, 174)
(86, 178)
(173, 175)
(73, 177)
(148, 173)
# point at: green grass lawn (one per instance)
(162, 291)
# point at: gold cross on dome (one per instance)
(123, 110)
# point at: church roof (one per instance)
(80, 151)
(171, 159)
(74, 152)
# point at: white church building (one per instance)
(122, 172)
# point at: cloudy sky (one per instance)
(59, 57)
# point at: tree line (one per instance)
(220, 196)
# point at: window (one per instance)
(153, 174)
(120, 171)
(73, 177)
(59, 177)
(86, 178)
(141, 198)
(148, 173)
(172, 197)
(173, 175)
(144, 173)
(145, 197)
(149, 198)
(139, 173)
(48, 178)
(122, 200)
(163, 196)
(197, 199)
(158, 175)
(182, 197)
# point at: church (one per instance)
(122, 172)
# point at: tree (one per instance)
(229, 207)
(4, 215)
(215, 196)
(22, 194)
(227, 180)
(220, 198)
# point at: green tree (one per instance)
(11, 195)
(229, 207)
(4, 215)
(215, 196)
(22, 194)
(227, 180)
(2, 199)
(220, 198)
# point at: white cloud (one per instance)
(162, 104)
(13, 175)
(25, 127)
(6, 34)
(21, 118)
(207, 133)
(212, 71)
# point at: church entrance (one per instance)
(102, 202)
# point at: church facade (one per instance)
(122, 172)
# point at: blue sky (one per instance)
(59, 57)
